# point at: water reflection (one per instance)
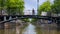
(47, 29)
(1, 31)
(9, 31)
(17, 30)
(31, 29)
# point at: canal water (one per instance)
(31, 29)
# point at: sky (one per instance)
(30, 4)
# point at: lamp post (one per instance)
(37, 4)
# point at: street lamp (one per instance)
(37, 4)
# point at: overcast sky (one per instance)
(30, 4)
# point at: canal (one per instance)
(32, 29)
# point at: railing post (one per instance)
(56, 20)
(5, 18)
(10, 17)
(16, 17)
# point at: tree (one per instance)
(46, 6)
(12, 6)
(1, 6)
(56, 6)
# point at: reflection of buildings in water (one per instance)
(1, 31)
(17, 30)
(30, 29)
(9, 31)
(49, 29)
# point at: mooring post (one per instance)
(10, 17)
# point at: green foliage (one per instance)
(13, 6)
(1, 4)
(56, 6)
(26, 20)
(46, 6)
(17, 5)
(34, 20)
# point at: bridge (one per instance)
(5, 18)
(8, 18)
